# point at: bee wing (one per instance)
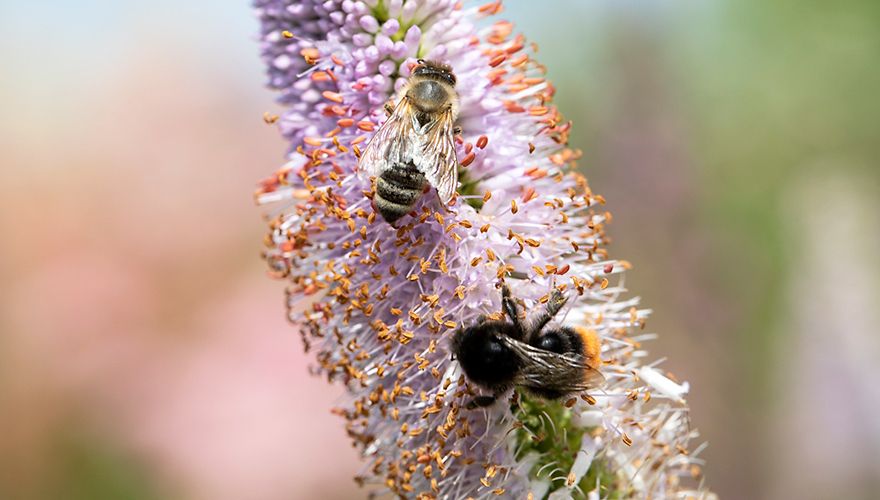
(550, 370)
(393, 143)
(436, 157)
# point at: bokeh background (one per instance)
(144, 353)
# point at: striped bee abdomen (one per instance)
(397, 190)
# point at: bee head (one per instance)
(435, 70)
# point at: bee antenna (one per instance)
(420, 61)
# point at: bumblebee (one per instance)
(549, 363)
(414, 149)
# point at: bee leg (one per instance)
(481, 402)
(456, 130)
(511, 310)
(557, 300)
(389, 109)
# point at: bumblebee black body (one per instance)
(551, 363)
(562, 340)
(484, 357)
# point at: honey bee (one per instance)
(414, 148)
(548, 363)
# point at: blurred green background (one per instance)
(144, 354)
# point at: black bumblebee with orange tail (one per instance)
(549, 363)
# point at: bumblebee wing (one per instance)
(393, 143)
(436, 157)
(549, 370)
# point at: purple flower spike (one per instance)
(378, 304)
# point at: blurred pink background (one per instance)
(144, 349)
